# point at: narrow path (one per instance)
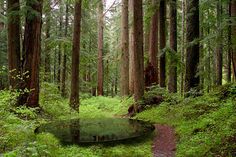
(164, 144)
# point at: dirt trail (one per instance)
(164, 144)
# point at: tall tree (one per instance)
(233, 14)
(153, 42)
(183, 45)
(100, 48)
(162, 23)
(64, 60)
(124, 69)
(131, 49)
(172, 82)
(47, 49)
(192, 55)
(229, 56)
(74, 97)
(219, 47)
(138, 50)
(14, 51)
(31, 53)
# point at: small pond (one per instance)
(77, 131)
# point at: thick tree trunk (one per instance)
(172, 82)
(100, 48)
(229, 56)
(162, 23)
(47, 61)
(124, 64)
(183, 47)
(192, 56)
(131, 49)
(233, 14)
(138, 51)
(64, 61)
(14, 54)
(153, 43)
(219, 48)
(74, 97)
(31, 54)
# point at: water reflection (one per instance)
(96, 130)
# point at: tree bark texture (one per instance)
(74, 97)
(100, 48)
(192, 54)
(124, 66)
(131, 49)
(14, 51)
(138, 51)
(31, 54)
(153, 42)
(162, 24)
(172, 82)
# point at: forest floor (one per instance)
(204, 125)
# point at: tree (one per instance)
(100, 48)
(74, 97)
(172, 82)
(131, 49)
(31, 53)
(192, 55)
(153, 45)
(14, 53)
(138, 50)
(229, 55)
(124, 69)
(162, 25)
(219, 47)
(47, 49)
(233, 13)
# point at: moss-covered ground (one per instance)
(205, 125)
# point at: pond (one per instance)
(77, 131)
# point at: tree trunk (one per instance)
(229, 56)
(138, 51)
(74, 97)
(172, 83)
(183, 47)
(162, 29)
(47, 67)
(124, 69)
(64, 61)
(219, 48)
(131, 50)
(153, 43)
(14, 54)
(31, 54)
(192, 56)
(233, 14)
(100, 48)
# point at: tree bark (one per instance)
(192, 57)
(14, 50)
(31, 54)
(153, 42)
(124, 64)
(64, 61)
(162, 23)
(74, 97)
(47, 49)
(100, 48)
(172, 82)
(233, 14)
(131, 50)
(138, 50)
(183, 46)
(229, 56)
(219, 48)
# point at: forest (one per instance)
(117, 78)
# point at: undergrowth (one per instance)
(205, 125)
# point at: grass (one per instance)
(205, 125)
